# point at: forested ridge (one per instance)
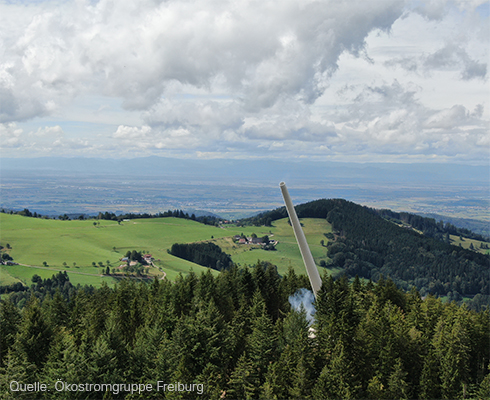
(368, 245)
(237, 335)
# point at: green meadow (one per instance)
(16, 273)
(287, 253)
(466, 243)
(44, 247)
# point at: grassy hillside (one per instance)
(34, 241)
(287, 253)
(80, 243)
(466, 242)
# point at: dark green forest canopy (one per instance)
(206, 254)
(236, 334)
(370, 246)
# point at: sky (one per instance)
(356, 81)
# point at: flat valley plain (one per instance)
(237, 188)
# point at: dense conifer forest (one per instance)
(367, 245)
(237, 335)
(205, 254)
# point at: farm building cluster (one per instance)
(263, 241)
(144, 259)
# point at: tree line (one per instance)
(109, 216)
(237, 334)
(204, 219)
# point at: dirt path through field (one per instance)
(161, 270)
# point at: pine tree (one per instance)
(9, 325)
(430, 385)
(484, 389)
(338, 378)
(375, 389)
(35, 335)
(451, 343)
(262, 341)
(57, 310)
(244, 381)
(397, 384)
(66, 362)
(291, 375)
(16, 368)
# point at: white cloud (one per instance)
(278, 76)
(10, 135)
(47, 140)
(132, 50)
(131, 132)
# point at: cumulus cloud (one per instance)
(133, 50)
(450, 56)
(220, 76)
(47, 140)
(10, 135)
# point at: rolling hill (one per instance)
(343, 236)
(368, 245)
(60, 244)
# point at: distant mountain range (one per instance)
(238, 188)
(262, 170)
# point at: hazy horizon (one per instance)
(236, 188)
